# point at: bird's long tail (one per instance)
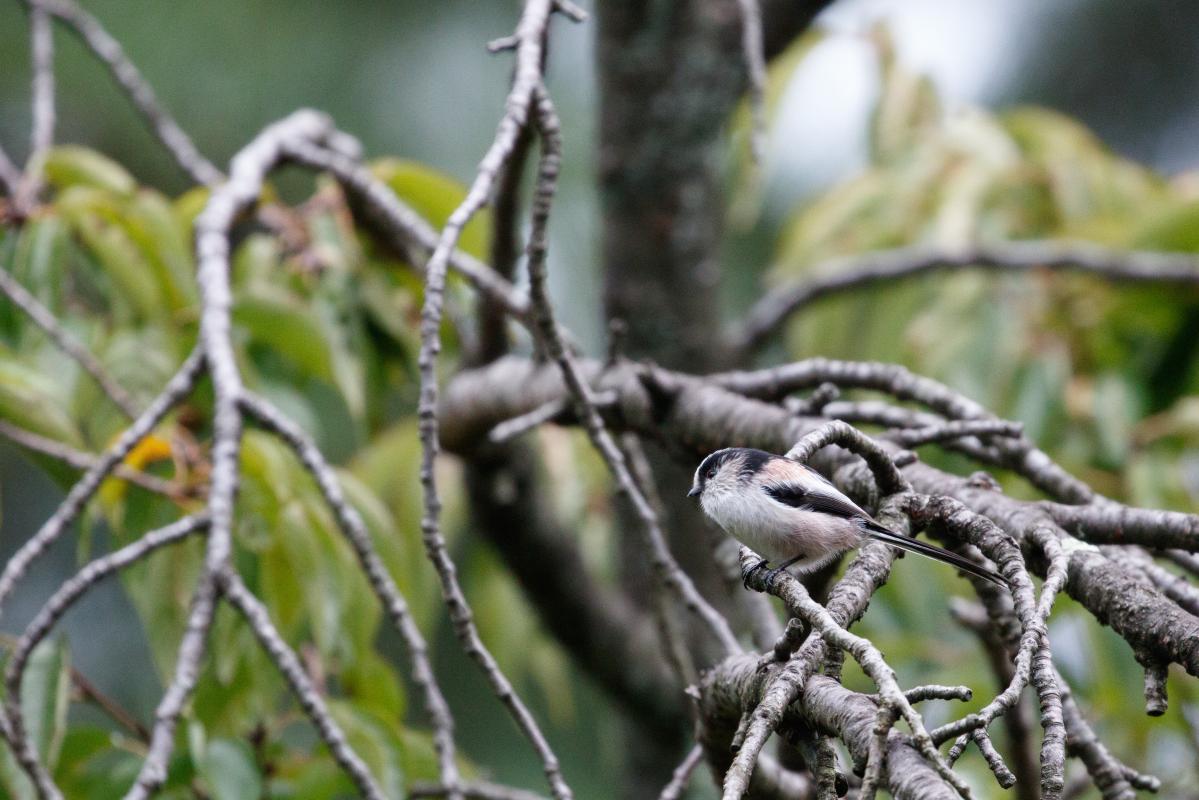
(876, 531)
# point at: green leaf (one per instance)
(434, 196)
(45, 698)
(908, 107)
(372, 683)
(41, 258)
(274, 318)
(377, 742)
(229, 769)
(68, 166)
(1172, 229)
(98, 219)
(29, 399)
(150, 222)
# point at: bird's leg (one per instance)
(749, 573)
(773, 574)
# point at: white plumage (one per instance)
(789, 514)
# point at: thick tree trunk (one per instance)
(671, 73)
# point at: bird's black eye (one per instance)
(711, 473)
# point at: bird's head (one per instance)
(726, 470)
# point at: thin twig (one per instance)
(531, 31)
(850, 273)
(41, 138)
(256, 616)
(54, 609)
(953, 429)
(665, 566)
(682, 774)
(81, 460)
(510, 429)
(130, 80)
(44, 318)
(755, 67)
(350, 523)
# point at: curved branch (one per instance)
(130, 80)
(854, 272)
(247, 173)
(702, 417)
(530, 39)
(54, 609)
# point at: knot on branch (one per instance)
(661, 388)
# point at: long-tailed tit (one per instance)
(791, 515)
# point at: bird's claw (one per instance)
(772, 576)
(749, 573)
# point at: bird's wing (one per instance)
(821, 501)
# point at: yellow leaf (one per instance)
(152, 448)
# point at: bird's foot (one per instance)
(772, 575)
(749, 573)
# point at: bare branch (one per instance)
(886, 475)
(177, 388)
(44, 318)
(667, 569)
(256, 616)
(682, 774)
(738, 681)
(350, 523)
(892, 702)
(1114, 780)
(850, 273)
(1018, 455)
(109, 51)
(81, 460)
(247, 174)
(1032, 658)
(1115, 523)
(41, 138)
(531, 31)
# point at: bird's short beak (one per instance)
(694, 491)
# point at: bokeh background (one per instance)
(1104, 379)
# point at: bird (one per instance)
(792, 515)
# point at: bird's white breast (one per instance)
(779, 532)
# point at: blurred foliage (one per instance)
(324, 326)
(1104, 378)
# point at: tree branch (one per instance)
(109, 51)
(44, 318)
(850, 273)
(530, 33)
